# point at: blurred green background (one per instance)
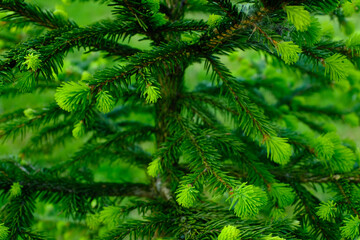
(79, 64)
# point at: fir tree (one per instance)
(228, 158)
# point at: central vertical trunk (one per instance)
(172, 81)
(167, 106)
(171, 84)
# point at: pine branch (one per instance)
(143, 14)
(166, 158)
(215, 102)
(200, 112)
(314, 176)
(320, 228)
(98, 189)
(96, 150)
(12, 115)
(257, 119)
(141, 229)
(39, 117)
(159, 57)
(34, 183)
(48, 136)
(25, 12)
(53, 46)
(345, 196)
(158, 60)
(228, 8)
(208, 158)
(252, 120)
(18, 214)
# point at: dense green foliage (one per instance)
(254, 149)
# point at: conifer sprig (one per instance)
(250, 115)
(19, 126)
(298, 16)
(206, 161)
(336, 66)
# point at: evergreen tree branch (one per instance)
(18, 214)
(50, 135)
(202, 113)
(204, 156)
(315, 176)
(94, 151)
(142, 229)
(34, 183)
(53, 46)
(40, 117)
(159, 57)
(215, 102)
(30, 13)
(346, 197)
(228, 8)
(257, 119)
(309, 202)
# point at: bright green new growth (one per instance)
(327, 30)
(92, 220)
(186, 195)
(4, 232)
(277, 213)
(229, 233)
(214, 20)
(351, 227)
(334, 156)
(154, 167)
(270, 237)
(353, 43)
(152, 94)
(32, 61)
(343, 159)
(278, 149)
(61, 13)
(110, 215)
(104, 102)
(298, 16)
(327, 210)
(337, 67)
(288, 51)
(247, 200)
(350, 7)
(282, 194)
(15, 190)
(72, 96)
(79, 130)
(29, 113)
(311, 36)
(324, 147)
